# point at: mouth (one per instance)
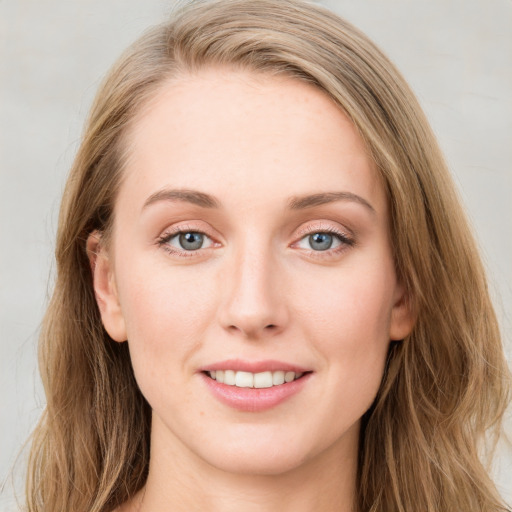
(260, 380)
(254, 386)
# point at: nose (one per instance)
(254, 304)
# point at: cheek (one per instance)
(165, 313)
(351, 309)
(347, 320)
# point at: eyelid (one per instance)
(189, 227)
(337, 241)
(345, 237)
(176, 236)
(323, 226)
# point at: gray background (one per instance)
(456, 54)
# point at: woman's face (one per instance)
(251, 240)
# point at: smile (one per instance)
(254, 386)
(266, 379)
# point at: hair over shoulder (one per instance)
(445, 387)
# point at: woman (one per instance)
(265, 282)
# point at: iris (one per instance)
(320, 241)
(191, 241)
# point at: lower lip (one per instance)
(254, 399)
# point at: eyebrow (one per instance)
(295, 203)
(309, 201)
(182, 195)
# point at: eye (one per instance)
(187, 241)
(327, 240)
(321, 241)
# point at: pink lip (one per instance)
(252, 399)
(254, 366)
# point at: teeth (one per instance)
(263, 380)
(229, 377)
(254, 380)
(244, 380)
(289, 376)
(278, 378)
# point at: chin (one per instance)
(258, 464)
(261, 451)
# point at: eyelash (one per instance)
(167, 236)
(345, 240)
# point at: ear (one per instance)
(105, 288)
(403, 314)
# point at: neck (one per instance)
(179, 480)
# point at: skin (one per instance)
(256, 290)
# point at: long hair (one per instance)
(446, 385)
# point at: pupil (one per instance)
(191, 241)
(320, 241)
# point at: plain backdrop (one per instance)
(456, 54)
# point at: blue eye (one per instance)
(320, 241)
(189, 241)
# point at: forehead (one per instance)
(220, 129)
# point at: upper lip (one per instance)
(254, 366)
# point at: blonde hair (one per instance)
(446, 385)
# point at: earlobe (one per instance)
(403, 315)
(105, 288)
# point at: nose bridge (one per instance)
(254, 304)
